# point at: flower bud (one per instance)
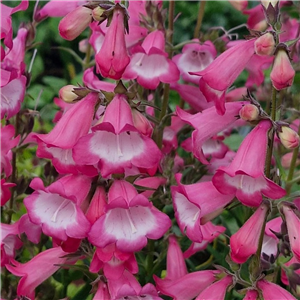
(282, 74)
(249, 112)
(265, 44)
(97, 13)
(66, 93)
(141, 123)
(288, 137)
(239, 4)
(75, 22)
(266, 3)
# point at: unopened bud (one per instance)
(75, 22)
(282, 74)
(249, 112)
(67, 94)
(97, 13)
(265, 44)
(286, 160)
(266, 3)
(239, 4)
(141, 123)
(288, 137)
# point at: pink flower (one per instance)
(193, 210)
(207, 124)
(271, 291)
(75, 22)
(57, 207)
(245, 175)
(194, 58)
(217, 289)
(293, 228)
(222, 72)
(9, 241)
(129, 220)
(282, 74)
(244, 242)
(5, 191)
(37, 270)
(112, 58)
(265, 44)
(150, 64)
(6, 23)
(251, 295)
(116, 144)
(178, 283)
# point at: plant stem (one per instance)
(199, 19)
(271, 139)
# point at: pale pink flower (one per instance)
(245, 175)
(244, 242)
(265, 44)
(150, 64)
(194, 58)
(56, 208)
(129, 220)
(288, 137)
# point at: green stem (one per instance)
(271, 139)
(199, 19)
(88, 54)
(150, 247)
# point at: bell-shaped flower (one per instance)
(129, 220)
(207, 124)
(178, 283)
(194, 58)
(10, 241)
(150, 64)
(112, 59)
(222, 72)
(283, 73)
(244, 242)
(113, 262)
(272, 291)
(57, 207)
(37, 270)
(217, 289)
(293, 228)
(245, 175)
(57, 145)
(116, 144)
(193, 210)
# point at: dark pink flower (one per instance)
(222, 72)
(245, 175)
(37, 270)
(244, 242)
(271, 291)
(5, 191)
(112, 58)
